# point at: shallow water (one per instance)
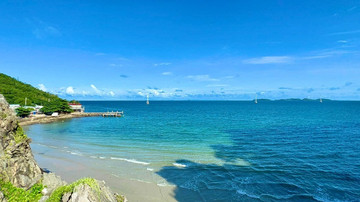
(218, 151)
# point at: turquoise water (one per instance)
(221, 151)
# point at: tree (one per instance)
(23, 112)
(60, 106)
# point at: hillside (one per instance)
(16, 91)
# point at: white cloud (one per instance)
(204, 77)
(70, 90)
(326, 54)
(342, 41)
(115, 65)
(217, 85)
(42, 87)
(42, 32)
(346, 32)
(112, 93)
(167, 73)
(269, 60)
(162, 64)
(96, 89)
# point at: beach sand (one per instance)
(72, 167)
(37, 119)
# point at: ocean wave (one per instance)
(75, 153)
(165, 185)
(130, 160)
(179, 165)
(242, 192)
(150, 169)
(138, 180)
(102, 157)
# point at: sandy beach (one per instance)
(49, 119)
(72, 167)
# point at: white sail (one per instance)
(147, 100)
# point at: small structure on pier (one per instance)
(77, 107)
(113, 114)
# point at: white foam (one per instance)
(94, 157)
(130, 160)
(165, 185)
(150, 169)
(74, 153)
(242, 192)
(179, 165)
(115, 175)
(140, 180)
(101, 157)
(53, 147)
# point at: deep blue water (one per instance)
(224, 150)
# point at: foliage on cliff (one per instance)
(16, 91)
(59, 192)
(15, 194)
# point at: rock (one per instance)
(85, 193)
(51, 182)
(18, 166)
(2, 197)
(17, 163)
(44, 199)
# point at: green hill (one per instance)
(16, 91)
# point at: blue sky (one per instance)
(230, 50)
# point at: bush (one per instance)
(23, 112)
(15, 194)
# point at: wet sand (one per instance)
(71, 168)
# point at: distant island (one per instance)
(293, 99)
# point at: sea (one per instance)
(217, 150)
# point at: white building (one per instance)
(14, 106)
(77, 107)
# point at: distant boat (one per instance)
(256, 99)
(320, 100)
(147, 100)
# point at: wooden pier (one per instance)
(113, 114)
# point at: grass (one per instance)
(20, 135)
(15, 194)
(57, 195)
(120, 198)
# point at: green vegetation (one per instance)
(74, 102)
(59, 192)
(23, 112)
(16, 92)
(14, 194)
(60, 106)
(120, 198)
(20, 135)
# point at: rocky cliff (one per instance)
(20, 176)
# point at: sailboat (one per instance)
(256, 99)
(320, 100)
(147, 100)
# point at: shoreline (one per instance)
(70, 167)
(50, 119)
